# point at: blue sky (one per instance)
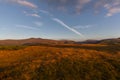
(59, 19)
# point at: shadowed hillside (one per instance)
(114, 41)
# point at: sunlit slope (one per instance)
(60, 62)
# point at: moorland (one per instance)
(59, 60)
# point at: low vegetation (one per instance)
(11, 47)
(61, 62)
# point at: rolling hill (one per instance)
(34, 41)
(39, 41)
(113, 41)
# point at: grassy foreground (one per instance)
(60, 62)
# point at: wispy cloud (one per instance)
(64, 5)
(26, 27)
(23, 3)
(31, 14)
(112, 8)
(38, 23)
(113, 11)
(83, 26)
(45, 12)
(68, 27)
(74, 6)
(79, 6)
(34, 15)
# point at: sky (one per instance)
(59, 19)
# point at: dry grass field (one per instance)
(60, 62)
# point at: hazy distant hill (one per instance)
(39, 41)
(89, 42)
(34, 41)
(110, 41)
(104, 41)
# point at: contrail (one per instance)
(27, 27)
(63, 24)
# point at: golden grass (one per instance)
(57, 63)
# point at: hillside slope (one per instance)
(34, 41)
(114, 41)
(59, 63)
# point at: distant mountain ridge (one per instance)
(110, 41)
(33, 41)
(104, 41)
(38, 41)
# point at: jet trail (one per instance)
(63, 24)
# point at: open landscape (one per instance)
(59, 39)
(60, 61)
